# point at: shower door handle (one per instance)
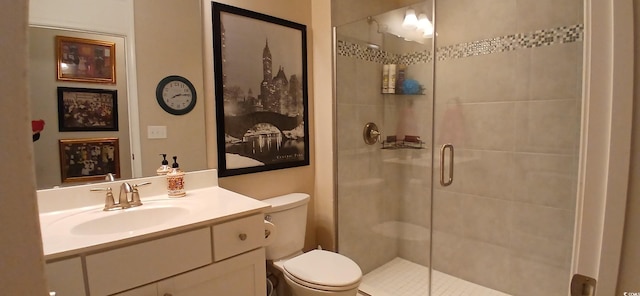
(450, 179)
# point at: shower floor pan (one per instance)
(400, 277)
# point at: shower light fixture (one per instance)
(424, 25)
(407, 23)
(410, 19)
(416, 27)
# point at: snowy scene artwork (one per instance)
(260, 70)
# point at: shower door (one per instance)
(470, 188)
(508, 78)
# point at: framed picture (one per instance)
(88, 159)
(260, 66)
(85, 60)
(86, 109)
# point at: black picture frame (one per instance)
(87, 109)
(88, 159)
(260, 72)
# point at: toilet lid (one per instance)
(324, 268)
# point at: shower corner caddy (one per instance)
(406, 95)
(409, 142)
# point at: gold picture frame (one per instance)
(85, 60)
(88, 159)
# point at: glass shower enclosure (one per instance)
(457, 149)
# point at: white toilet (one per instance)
(316, 272)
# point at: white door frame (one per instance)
(605, 141)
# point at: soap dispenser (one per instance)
(175, 180)
(164, 168)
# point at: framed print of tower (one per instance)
(260, 70)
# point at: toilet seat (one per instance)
(323, 270)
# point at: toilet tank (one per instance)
(289, 214)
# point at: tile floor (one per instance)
(400, 277)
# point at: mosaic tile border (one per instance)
(354, 50)
(546, 37)
(539, 38)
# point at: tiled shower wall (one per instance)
(365, 187)
(383, 195)
(508, 96)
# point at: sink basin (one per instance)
(96, 222)
(128, 220)
(72, 223)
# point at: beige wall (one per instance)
(629, 277)
(165, 47)
(324, 129)
(21, 252)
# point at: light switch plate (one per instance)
(156, 132)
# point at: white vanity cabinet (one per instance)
(224, 258)
(243, 275)
(65, 277)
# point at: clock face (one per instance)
(176, 95)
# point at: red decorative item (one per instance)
(37, 126)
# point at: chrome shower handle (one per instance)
(450, 179)
(370, 133)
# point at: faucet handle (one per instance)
(109, 201)
(135, 195)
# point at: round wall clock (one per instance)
(176, 95)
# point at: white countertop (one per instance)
(205, 206)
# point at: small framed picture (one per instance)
(85, 109)
(86, 60)
(88, 159)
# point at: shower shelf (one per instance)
(409, 142)
(409, 95)
(396, 147)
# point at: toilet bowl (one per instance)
(320, 272)
(317, 272)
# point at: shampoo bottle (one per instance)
(392, 79)
(385, 79)
(175, 180)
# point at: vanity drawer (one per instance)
(128, 267)
(237, 236)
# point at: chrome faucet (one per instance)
(109, 177)
(123, 198)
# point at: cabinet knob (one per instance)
(167, 294)
(242, 236)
